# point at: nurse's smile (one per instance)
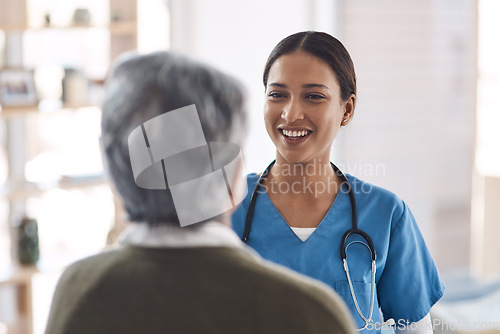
(294, 136)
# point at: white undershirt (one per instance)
(303, 232)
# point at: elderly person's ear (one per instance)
(238, 183)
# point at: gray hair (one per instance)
(141, 87)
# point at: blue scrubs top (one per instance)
(407, 280)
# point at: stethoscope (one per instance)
(343, 247)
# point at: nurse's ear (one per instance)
(237, 183)
(349, 106)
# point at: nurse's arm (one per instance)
(424, 326)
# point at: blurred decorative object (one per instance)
(75, 87)
(46, 19)
(48, 79)
(28, 251)
(96, 92)
(116, 16)
(81, 16)
(17, 88)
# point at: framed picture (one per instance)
(17, 88)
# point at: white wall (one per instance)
(416, 66)
(485, 257)
(237, 37)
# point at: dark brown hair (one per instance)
(325, 47)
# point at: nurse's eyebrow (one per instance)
(314, 86)
(278, 84)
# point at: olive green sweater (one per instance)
(190, 290)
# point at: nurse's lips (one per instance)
(294, 136)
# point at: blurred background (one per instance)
(426, 125)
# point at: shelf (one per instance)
(16, 274)
(118, 27)
(123, 27)
(28, 129)
(37, 189)
(10, 112)
(12, 27)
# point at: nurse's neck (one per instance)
(314, 178)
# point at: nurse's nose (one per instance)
(292, 112)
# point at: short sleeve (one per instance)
(410, 283)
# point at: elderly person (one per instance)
(180, 268)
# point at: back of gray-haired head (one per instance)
(140, 88)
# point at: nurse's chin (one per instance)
(297, 158)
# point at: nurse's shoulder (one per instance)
(373, 197)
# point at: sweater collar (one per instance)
(210, 234)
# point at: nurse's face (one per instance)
(303, 109)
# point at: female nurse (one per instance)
(303, 207)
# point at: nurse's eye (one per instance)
(315, 97)
(276, 95)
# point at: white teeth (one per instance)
(290, 133)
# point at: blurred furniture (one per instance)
(19, 125)
(20, 121)
(486, 227)
(469, 306)
(19, 277)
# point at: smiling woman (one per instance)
(306, 204)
